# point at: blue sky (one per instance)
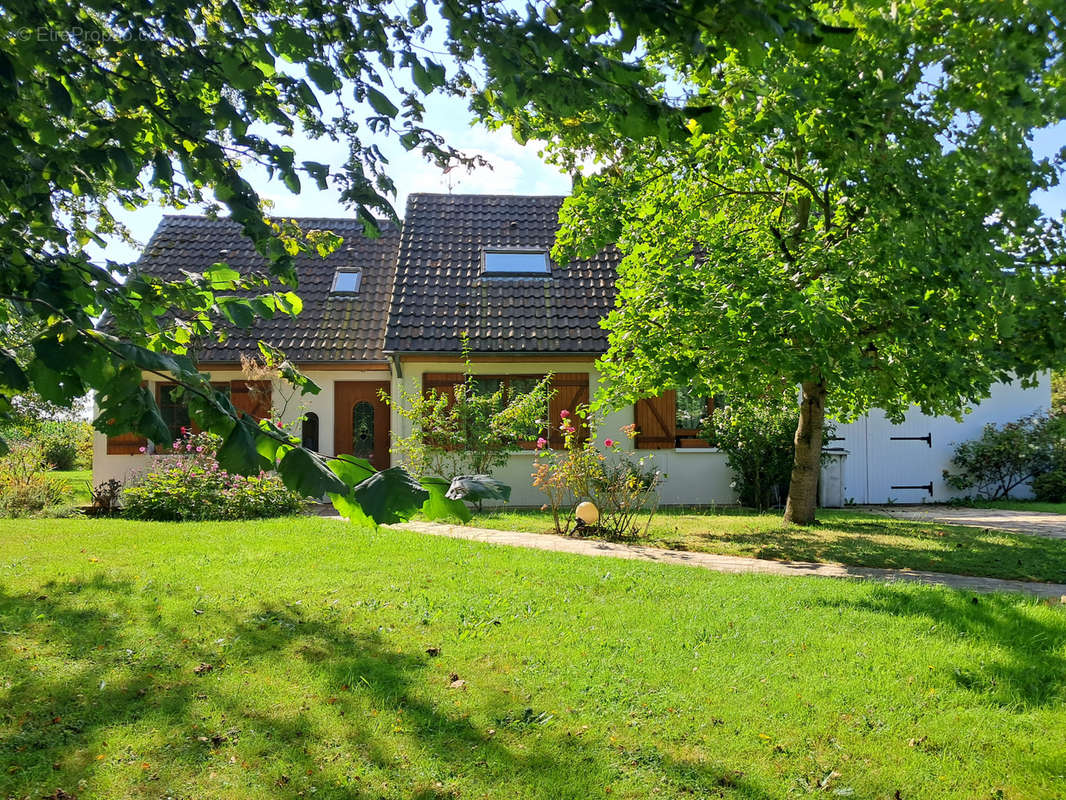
(515, 169)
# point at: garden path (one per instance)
(733, 564)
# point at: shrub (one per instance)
(469, 432)
(65, 444)
(25, 486)
(622, 486)
(190, 485)
(1050, 487)
(758, 438)
(1004, 457)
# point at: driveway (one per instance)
(1035, 523)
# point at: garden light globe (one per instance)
(587, 513)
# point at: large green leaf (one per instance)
(238, 452)
(391, 495)
(439, 505)
(473, 488)
(351, 470)
(306, 472)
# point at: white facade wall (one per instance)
(693, 476)
(874, 461)
(125, 467)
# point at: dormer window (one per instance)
(515, 261)
(346, 281)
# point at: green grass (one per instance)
(77, 483)
(842, 537)
(1019, 505)
(583, 677)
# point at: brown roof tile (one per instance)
(331, 328)
(440, 290)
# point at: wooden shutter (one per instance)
(127, 444)
(656, 419)
(442, 383)
(251, 397)
(571, 391)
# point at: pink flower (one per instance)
(200, 449)
(608, 442)
(188, 448)
(183, 430)
(564, 413)
(541, 443)
(569, 429)
(143, 449)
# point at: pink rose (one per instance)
(608, 442)
(564, 413)
(542, 443)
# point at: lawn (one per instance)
(842, 536)
(308, 658)
(77, 484)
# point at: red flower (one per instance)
(564, 413)
(608, 442)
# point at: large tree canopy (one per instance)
(855, 218)
(105, 106)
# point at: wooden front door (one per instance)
(361, 421)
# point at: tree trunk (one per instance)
(803, 487)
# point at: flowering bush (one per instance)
(623, 488)
(190, 485)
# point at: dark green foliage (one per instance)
(1004, 457)
(756, 437)
(1050, 487)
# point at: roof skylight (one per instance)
(516, 262)
(346, 281)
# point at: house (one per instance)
(392, 311)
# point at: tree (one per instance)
(854, 218)
(105, 105)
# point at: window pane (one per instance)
(174, 412)
(363, 430)
(347, 282)
(309, 431)
(691, 409)
(486, 387)
(510, 261)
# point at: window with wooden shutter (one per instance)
(571, 392)
(127, 444)
(251, 397)
(655, 418)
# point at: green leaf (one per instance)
(380, 103)
(11, 374)
(439, 506)
(306, 472)
(391, 495)
(351, 470)
(478, 487)
(238, 452)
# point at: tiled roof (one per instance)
(440, 291)
(331, 328)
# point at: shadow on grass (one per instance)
(130, 699)
(1028, 667)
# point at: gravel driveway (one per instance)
(1035, 523)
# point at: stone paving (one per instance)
(733, 564)
(1035, 523)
